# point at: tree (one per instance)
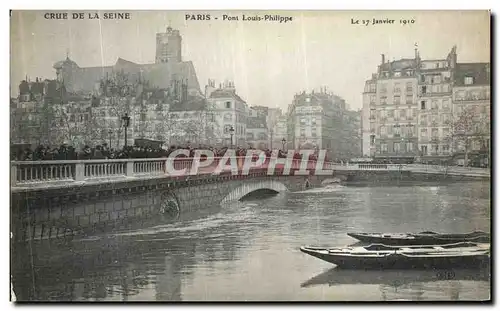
(468, 128)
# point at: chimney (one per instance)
(383, 59)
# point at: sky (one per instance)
(268, 62)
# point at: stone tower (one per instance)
(168, 46)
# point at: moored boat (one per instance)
(421, 238)
(379, 256)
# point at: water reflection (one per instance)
(250, 251)
(394, 278)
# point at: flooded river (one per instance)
(249, 251)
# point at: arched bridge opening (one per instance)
(255, 190)
(259, 194)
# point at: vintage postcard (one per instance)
(250, 155)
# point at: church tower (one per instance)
(168, 46)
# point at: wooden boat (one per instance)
(421, 238)
(379, 256)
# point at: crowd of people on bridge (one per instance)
(67, 152)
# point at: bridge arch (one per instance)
(246, 188)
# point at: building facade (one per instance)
(393, 115)
(257, 132)
(410, 108)
(471, 125)
(319, 121)
(435, 107)
(230, 112)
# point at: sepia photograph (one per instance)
(250, 155)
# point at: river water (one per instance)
(249, 251)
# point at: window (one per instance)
(423, 121)
(406, 114)
(389, 130)
(383, 148)
(397, 88)
(437, 79)
(445, 118)
(409, 131)
(396, 114)
(409, 87)
(435, 148)
(409, 147)
(228, 105)
(373, 99)
(434, 133)
(396, 147)
(372, 139)
(383, 88)
(446, 132)
(445, 148)
(423, 132)
(382, 130)
(446, 104)
(397, 74)
(434, 119)
(423, 149)
(383, 100)
(397, 131)
(414, 112)
(390, 113)
(468, 80)
(424, 89)
(409, 99)
(435, 105)
(397, 100)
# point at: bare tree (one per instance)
(467, 128)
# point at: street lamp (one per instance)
(126, 123)
(110, 132)
(231, 132)
(283, 142)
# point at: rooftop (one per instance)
(480, 72)
(225, 93)
(158, 75)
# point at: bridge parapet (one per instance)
(53, 173)
(28, 174)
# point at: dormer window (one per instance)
(468, 80)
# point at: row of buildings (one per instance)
(429, 109)
(163, 102)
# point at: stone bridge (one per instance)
(55, 199)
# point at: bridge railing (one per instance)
(36, 172)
